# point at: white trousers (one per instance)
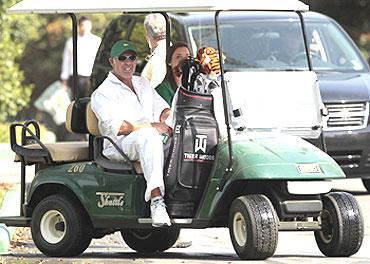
(144, 145)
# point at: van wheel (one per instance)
(342, 225)
(150, 240)
(366, 183)
(60, 227)
(253, 227)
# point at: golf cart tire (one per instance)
(342, 225)
(150, 240)
(253, 226)
(366, 183)
(60, 227)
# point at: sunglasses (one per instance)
(127, 58)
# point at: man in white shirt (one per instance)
(132, 113)
(155, 69)
(88, 45)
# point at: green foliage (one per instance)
(5, 136)
(15, 32)
(4, 132)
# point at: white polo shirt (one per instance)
(87, 46)
(155, 70)
(114, 102)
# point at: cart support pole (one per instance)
(310, 67)
(168, 34)
(74, 44)
(305, 41)
(23, 187)
(228, 170)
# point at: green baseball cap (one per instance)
(120, 47)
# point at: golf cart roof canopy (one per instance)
(111, 6)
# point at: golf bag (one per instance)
(192, 152)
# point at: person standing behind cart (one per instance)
(155, 69)
(88, 45)
(132, 114)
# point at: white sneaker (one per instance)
(159, 214)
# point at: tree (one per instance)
(350, 13)
(15, 32)
(353, 15)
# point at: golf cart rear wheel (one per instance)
(366, 183)
(151, 240)
(253, 227)
(60, 227)
(342, 225)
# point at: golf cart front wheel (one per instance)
(60, 227)
(342, 225)
(253, 227)
(151, 240)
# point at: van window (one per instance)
(331, 49)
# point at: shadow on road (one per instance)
(197, 256)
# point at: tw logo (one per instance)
(200, 143)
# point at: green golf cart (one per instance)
(253, 180)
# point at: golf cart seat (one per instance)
(32, 150)
(59, 152)
(123, 165)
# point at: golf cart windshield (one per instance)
(273, 41)
(266, 69)
(256, 41)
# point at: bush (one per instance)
(15, 32)
(5, 135)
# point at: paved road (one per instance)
(209, 246)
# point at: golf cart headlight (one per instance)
(309, 187)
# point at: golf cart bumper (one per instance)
(301, 207)
(292, 203)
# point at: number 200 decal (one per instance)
(77, 168)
